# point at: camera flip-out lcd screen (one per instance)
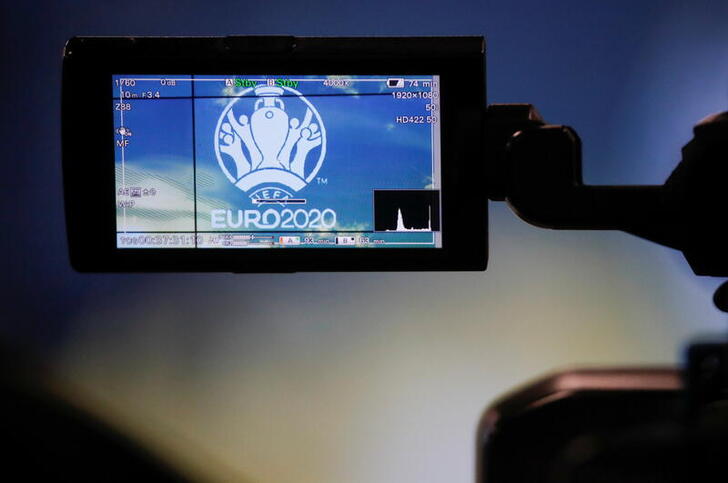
(277, 161)
(187, 154)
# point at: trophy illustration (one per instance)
(277, 145)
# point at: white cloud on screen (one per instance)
(171, 208)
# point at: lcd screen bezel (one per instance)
(88, 148)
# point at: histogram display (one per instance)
(407, 210)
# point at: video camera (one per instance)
(282, 154)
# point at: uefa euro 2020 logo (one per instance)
(261, 146)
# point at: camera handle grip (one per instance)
(537, 168)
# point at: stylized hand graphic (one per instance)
(294, 134)
(231, 145)
(308, 137)
(241, 131)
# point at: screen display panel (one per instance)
(277, 161)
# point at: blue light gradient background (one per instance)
(365, 377)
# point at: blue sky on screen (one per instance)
(365, 149)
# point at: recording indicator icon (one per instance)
(395, 82)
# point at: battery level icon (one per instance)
(395, 82)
